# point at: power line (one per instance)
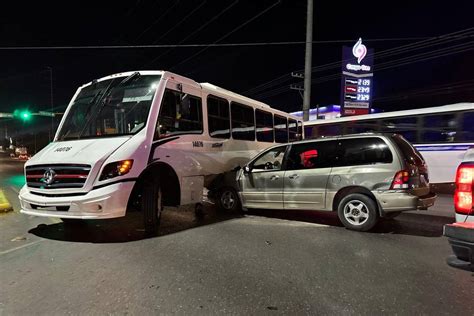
(465, 85)
(215, 44)
(433, 41)
(229, 33)
(428, 42)
(181, 21)
(157, 20)
(384, 66)
(195, 31)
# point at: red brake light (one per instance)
(400, 181)
(464, 189)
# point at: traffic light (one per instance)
(24, 115)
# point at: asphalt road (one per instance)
(261, 263)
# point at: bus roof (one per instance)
(208, 86)
(431, 110)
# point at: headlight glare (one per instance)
(115, 169)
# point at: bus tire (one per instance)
(358, 212)
(152, 205)
(228, 200)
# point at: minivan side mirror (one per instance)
(247, 169)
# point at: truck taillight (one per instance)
(400, 181)
(464, 189)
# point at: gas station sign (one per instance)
(357, 79)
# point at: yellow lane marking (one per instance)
(5, 206)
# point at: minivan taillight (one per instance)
(464, 188)
(400, 181)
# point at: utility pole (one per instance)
(52, 101)
(307, 63)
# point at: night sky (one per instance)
(24, 78)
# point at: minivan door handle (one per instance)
(294, 177)
(274, 177)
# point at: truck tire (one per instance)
(152, 206)
(358, 212)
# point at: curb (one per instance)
(5, 206)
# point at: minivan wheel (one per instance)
(152, 206)
(228, 200)
(358, 212)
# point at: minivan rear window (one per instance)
(363, 151)
(409, 152)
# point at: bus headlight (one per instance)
(115, 169)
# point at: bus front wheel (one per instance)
(152, 205)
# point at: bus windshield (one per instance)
(112, 107)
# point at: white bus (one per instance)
(441, 134)
(147, 138)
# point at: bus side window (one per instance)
(243, 121)
(218, 117)
(439, 128)
(281, 129)
(467, 126)
(330, 130)
(405, 126)
(292, 130)
(300, 130)
(356, 127)
(264, 121)
(179, 114)
(311, 131)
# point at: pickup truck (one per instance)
(461, 234)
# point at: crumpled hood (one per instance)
(84, 151)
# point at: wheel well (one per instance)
(350, 190)
(171, 191)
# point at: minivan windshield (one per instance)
(112, 107)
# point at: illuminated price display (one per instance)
(363, 97)
(363, 82)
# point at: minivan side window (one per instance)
(363, 151)
(312, 155)
(271, 160)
